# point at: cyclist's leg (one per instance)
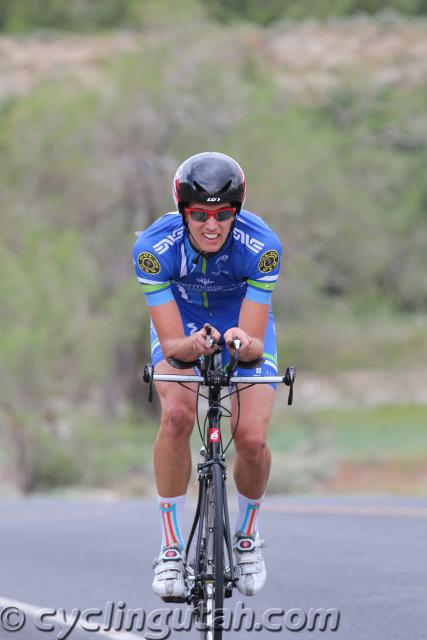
(253, 459)
(172, 458)
(251, 471)
(172, 467)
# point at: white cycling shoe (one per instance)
(168, 582)
(251, 572)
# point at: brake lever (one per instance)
(207, 360)
(209, 338)
(237, 343)
(289, 380)
(148, 377)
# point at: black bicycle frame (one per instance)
(213, 455)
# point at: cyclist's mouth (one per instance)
(211, 237)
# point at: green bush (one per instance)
(54, 466)
(91, 15)
(21, 16)
(269, 11)
(81, 15)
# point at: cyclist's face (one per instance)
(209, 236)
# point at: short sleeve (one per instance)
(263, 272)
(152, 272)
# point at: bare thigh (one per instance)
(256, 406)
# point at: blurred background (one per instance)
(325, 106)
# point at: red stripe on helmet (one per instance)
(176, 188)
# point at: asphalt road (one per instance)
(366, 558)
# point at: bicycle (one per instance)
(209, 570)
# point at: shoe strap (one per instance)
(168, 569)
(250, 569)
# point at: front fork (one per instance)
(212, 455)
(216, 454)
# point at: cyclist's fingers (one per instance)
(207, 327)
(202, 345)
(245, 345)
(206, 350)
(214, 333)
(230, 343)
(230, 333)
(200, 339)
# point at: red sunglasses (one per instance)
(201, 215)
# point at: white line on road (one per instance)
(34, 610)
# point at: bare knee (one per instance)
(177, 421)
(251, 448)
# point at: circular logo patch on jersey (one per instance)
(148, 263)
(269, 261)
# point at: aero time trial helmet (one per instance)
(209, 178)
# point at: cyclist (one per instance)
(212, 262)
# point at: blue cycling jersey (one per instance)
(210, 289)
(247, 265)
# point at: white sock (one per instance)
(246, 523)
(170, 510)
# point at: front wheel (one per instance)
(218, 559)
(213, 595)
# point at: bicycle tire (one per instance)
(213, 559)
(218, 558)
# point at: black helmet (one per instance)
(209, 178)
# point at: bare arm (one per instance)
(253, 321)
(175, 344)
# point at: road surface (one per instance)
(364, 558)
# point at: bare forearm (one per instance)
(191, 347)
(255, 350)
(180, 348)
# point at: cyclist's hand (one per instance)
(246, 341)
(200, 343)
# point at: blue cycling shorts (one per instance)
(193, 321)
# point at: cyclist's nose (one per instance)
(211, 223)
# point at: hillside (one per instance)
(308, 57)
(329, 120)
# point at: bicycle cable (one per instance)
(202, 435)
(226, 412)
(237, 392)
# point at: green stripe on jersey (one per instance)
(151, 288)
(268, 356)
(264, 286)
